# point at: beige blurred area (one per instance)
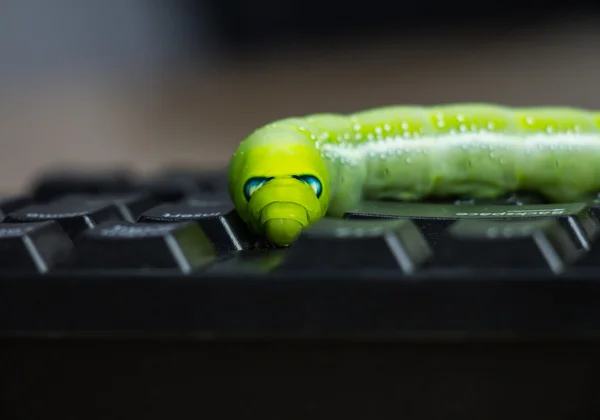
(195, 116)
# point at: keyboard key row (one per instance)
(33, 246)
(439, 234)
(76, 214)
(184, 247)
(581, 220)
(330, 244)
(545, 245)
(166, 185)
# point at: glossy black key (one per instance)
(130, 205)
(594, 204)
(10, 204)
(591, 258)
(338, 244)
(56, 184)
(33, 246)
(433, 219)
(543, 244)
(75, 216)
(217, 218)
(182, 247)
(262, 261)
(513, 199)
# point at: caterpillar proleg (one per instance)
(289, 173)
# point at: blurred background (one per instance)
(144, 84)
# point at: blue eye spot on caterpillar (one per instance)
(290, 173)
(253, 184)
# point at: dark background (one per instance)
(243, 25)
(146, 83)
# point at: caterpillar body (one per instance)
(289, 173)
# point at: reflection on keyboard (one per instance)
(112, 251)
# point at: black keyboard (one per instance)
(165, 257)
(171, 255)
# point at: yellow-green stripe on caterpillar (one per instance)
(289, 173)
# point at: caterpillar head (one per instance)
(277, 190)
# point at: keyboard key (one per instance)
(145, 246)
(53, 185)
(33, 246)
(75, 216)
(130, 205)
(209, 200)
(10, 204)
(594, 204)
(261, 261)
(543, 244)
(514, 199)
(218, 219)
(358, 244)
(433, 219)
(591, 258)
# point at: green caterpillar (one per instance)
(291, 172)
